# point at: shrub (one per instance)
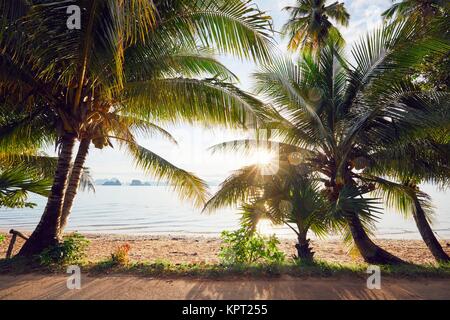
(71, 251)
(244, 247)
(2, 238)
(121, 256)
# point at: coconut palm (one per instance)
(432, 72)
(408, 199)
(431, 154)
(287, 196)
(23, 168)
(427, 149)
(309, 25)
(132, 64)
(337, 115)
(22, 135)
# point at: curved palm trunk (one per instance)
(74, 182)
(304, 251)
(368, 249)
(47, 231)
(427, 233)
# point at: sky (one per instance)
(191, 152)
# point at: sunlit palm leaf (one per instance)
(16, 183)
(187, 185)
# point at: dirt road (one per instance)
(33, 286)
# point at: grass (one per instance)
(119, 263)
(217, 271)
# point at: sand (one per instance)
(187, 249)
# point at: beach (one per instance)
(200, 249)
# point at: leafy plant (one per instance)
(244, 247)
(71, 251)
(289, 197)
(121, 255)
(2, 238)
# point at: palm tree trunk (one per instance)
(46, 233)
(74, 182)
(304, 251)
(370, 252)
(427, 233)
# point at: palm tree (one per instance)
(407, 198)
(432, 72)
(309, 25)
(23, 169)
(288, 196)
(337, 115)
(410, 163)
(132, 64)
(403, 193)
(422, 10)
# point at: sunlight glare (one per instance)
(265, 227)
(263, 157)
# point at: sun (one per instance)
(263, 157)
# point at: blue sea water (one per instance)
(145, 210)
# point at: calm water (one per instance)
(156, 210)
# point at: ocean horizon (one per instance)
(156, 210)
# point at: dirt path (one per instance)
(34, 286)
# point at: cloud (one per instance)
(365, 15)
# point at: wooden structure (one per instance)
(15, 234)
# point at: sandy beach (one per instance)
(186, 249)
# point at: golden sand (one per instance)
(186, 249)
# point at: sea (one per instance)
(156, 210)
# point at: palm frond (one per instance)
(207, 101)
(86, 181)
(16, 183)
(231, 26)
(351, 201)
(187, 185)
(40, 163)
(242, 186)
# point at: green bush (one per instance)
(2, 238)
(71, 251)
(244, 247)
